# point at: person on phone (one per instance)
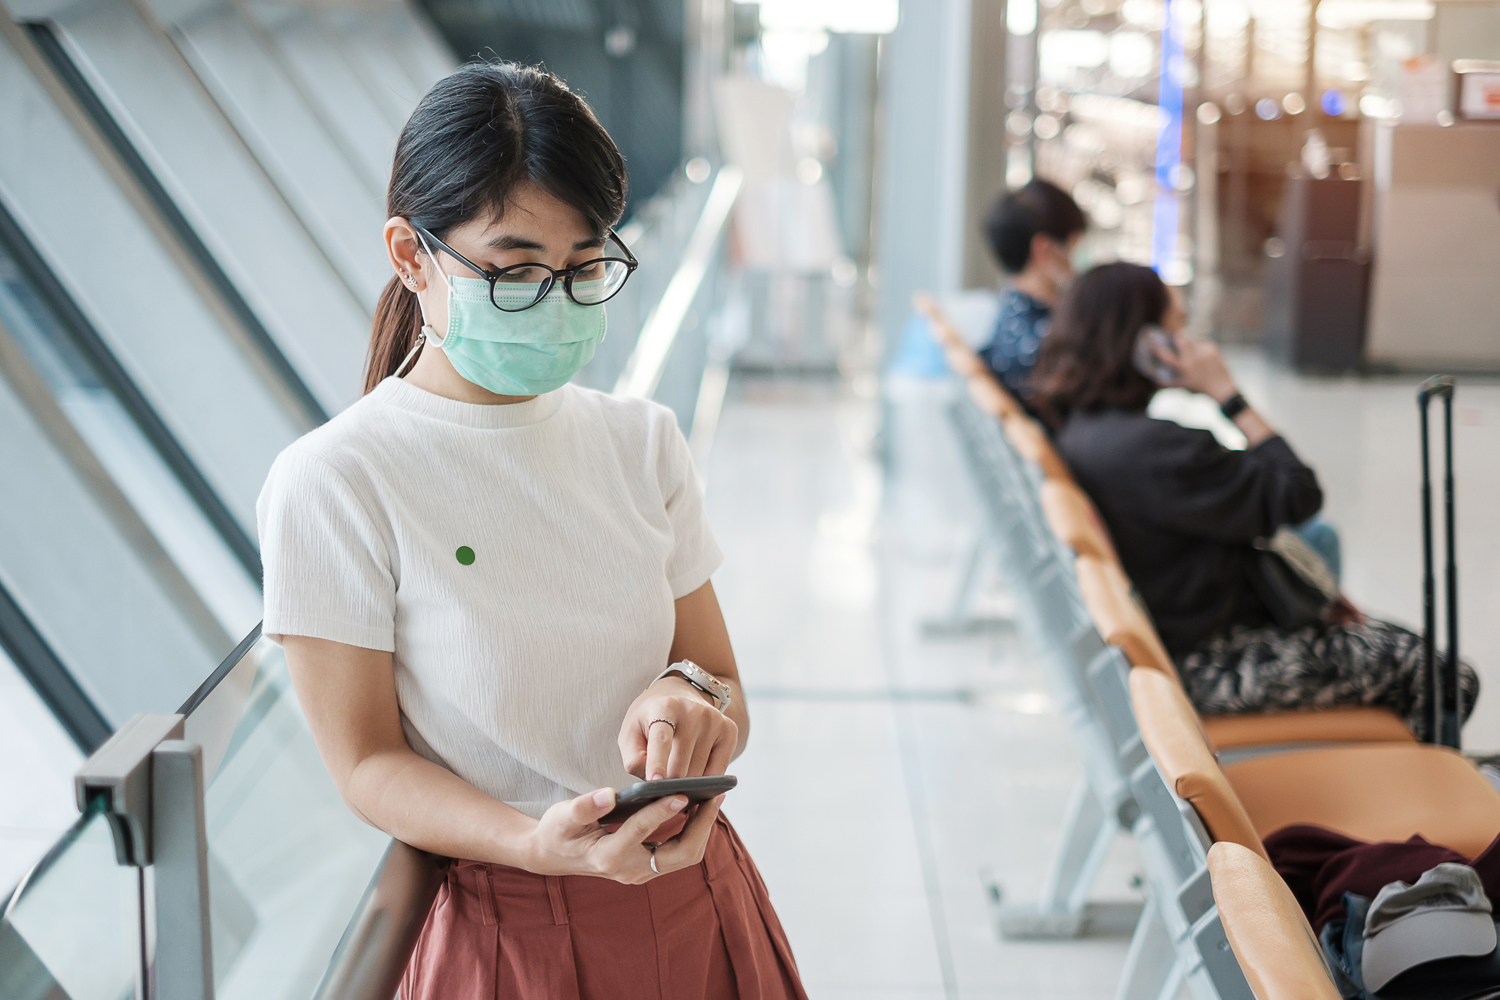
(1033, 232)
(493, 588)
(1185, 512)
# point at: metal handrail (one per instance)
(377, 944)
(643, 369)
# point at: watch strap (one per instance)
(702, 680)
(1234, 406)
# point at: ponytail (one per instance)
(478, 134)
(398, 320)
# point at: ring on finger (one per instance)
(652, 848)
(667, 721)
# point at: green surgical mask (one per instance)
(522, 353)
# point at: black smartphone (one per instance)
(633, 798)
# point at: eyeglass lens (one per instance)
(522, 287)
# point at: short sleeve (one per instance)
(695, 555)
(327, 564)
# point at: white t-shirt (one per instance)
(520, 562)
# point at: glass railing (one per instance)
(72, 929)
(664, 324)
(287, 863)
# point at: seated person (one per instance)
(1184, 513)
(1033, 232)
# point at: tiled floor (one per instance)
(888, 770)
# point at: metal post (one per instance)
(151, 782)
(1451, 712)
(183, 969)
(1429, 610)
(1442, 717)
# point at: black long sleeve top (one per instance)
(1184, 511)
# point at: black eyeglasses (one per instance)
(521, 286)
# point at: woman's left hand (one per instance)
(671, 731)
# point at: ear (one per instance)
(411, 262)
(1042, 246)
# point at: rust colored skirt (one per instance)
(702, 933)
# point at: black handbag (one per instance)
(1292, 581)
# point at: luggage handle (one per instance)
(1444, 716)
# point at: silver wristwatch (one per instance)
(701, 679)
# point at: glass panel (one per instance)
(72, 930)
(429, 58)
(316, 320)
(87, 572)
(288, 861)
(174, 347)
(328, 78)
(36, 783)
(119, 444)
(363, 43)
(657, 234)
(322, 181)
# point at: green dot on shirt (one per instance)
(465, 555)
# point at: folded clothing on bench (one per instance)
(1320, 866)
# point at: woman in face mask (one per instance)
(493, 586)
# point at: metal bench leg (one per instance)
(1064, 910)
(1152, 971)
(959, 620)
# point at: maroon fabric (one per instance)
(709, 931)
(1320, 866)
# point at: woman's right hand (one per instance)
(568, 839)
(1200, 367)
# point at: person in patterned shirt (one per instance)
(1033, 232)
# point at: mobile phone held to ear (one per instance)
(633, 798)
(1148, 362)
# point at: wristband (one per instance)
(1233, 406)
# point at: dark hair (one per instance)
(1087, 359)
(1014, 220)
(478, 135)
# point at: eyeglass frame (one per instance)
(554, 275)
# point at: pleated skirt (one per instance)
(703, 933)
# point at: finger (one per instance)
(584, 811)
(686, 849)
(722, 754)
(705, 749)
(659, 740)
(681, 752)
(635, 766)
(632, 744)
(638, 827)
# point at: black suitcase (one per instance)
(1443, 694)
